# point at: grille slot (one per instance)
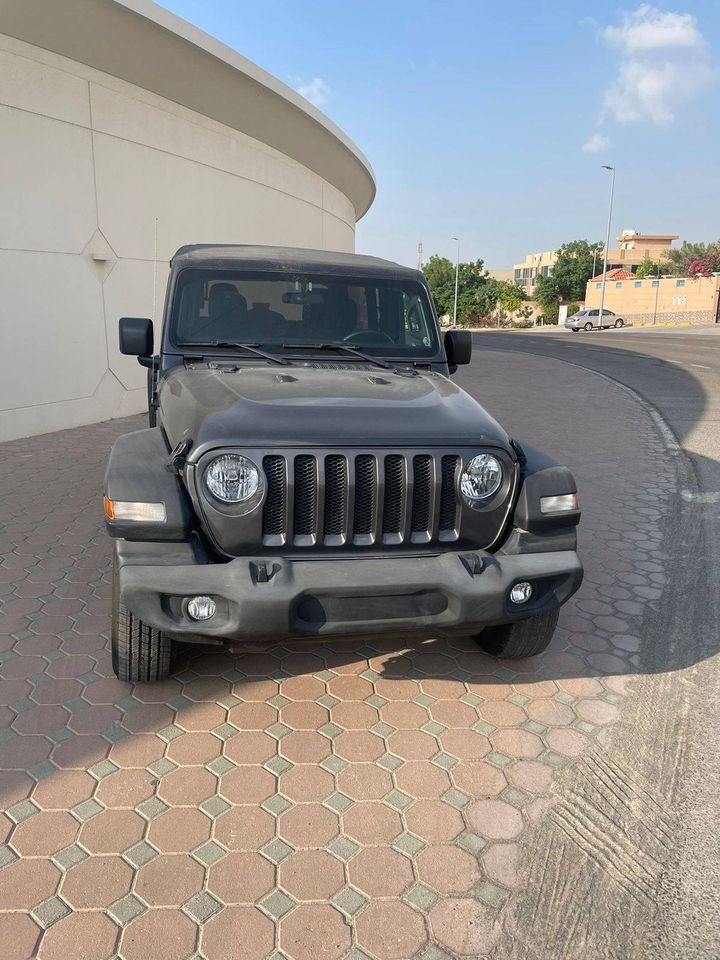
(365, 484)
(305, 500)
(422, 493)
(275, 508)
(336, 484)
(394, 499)
(448, 495)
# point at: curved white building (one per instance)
(126, 133)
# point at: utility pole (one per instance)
(607, 243)
(457, 270)
(420, 256)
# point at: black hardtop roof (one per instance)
(282, 259)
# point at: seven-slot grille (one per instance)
(361, 499)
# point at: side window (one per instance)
(595, 313)
(415, 321)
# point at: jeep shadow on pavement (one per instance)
(311, 471)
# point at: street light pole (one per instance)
(457, 270)
(607, 243)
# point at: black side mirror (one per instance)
(136, 336)
(458, 347)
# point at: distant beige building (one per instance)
(665, 300)
(505, 275)
(534, 266)
(633, 247)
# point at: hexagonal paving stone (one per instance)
(434, 821)
(495, 819)
(364, 781)
(372, 823)
(465, 927)
(238, 933)
(125, 788)
(307, 825)
(26, 883)
(501, 862)
(194, 749)
(390, 929)
(358, 745)
(97, 882)
(244, 828)
(179, 830)
(169, 879)
(447, 869)
(241, 878)
(112, 831)
(187, 786)
(306, 782)
(380, 872)
(64, 789)
(250, 747)
(247, 784)
(92, 929)
(20, 931)
(160, 934)
(314, 932)
(45, 833)
(311, 875)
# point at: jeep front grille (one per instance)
(362, 499)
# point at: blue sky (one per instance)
(489, 121)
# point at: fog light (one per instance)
(201, 608)
(521, 592)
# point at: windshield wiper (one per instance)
(250, 347)
(338, 346)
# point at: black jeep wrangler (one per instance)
(311, 471)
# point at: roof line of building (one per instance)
(146, 45)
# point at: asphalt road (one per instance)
(675, 369)
(675, 713)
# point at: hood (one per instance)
(319, 405)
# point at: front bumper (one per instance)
(272, 599)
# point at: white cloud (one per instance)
(664, 64)
(648, 28)
(315, 90)
(597, 143)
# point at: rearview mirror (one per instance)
(458, 347)
(136, 336)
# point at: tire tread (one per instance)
(140, 653)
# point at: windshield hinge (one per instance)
(178, 455)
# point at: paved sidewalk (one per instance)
(312, 802)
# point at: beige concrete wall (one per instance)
(96, 175)
(693, 300)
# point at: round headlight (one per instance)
(481, 478)
(232, 478)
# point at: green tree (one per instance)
(547, 293)
(440, 275)
(652, 268)
(474, 292)
(574, 267)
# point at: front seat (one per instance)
(226, 309)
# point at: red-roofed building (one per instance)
(619, 273)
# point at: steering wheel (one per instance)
(368, 337)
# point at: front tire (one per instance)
(524, 638)
(140, 653)
(618, 323)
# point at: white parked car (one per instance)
(590, 320)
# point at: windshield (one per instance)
(277, 312)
